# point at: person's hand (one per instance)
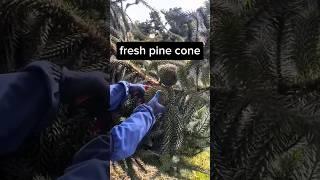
(137, 91)
(157, 108)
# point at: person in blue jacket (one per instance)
(29, 101)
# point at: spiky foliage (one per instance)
(184, 129)
(54, 30)
(265, 74)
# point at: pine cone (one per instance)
(168, 74)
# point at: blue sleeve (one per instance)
(118, 94)
(28, 101)
(127, 135)
(92, 161)
(94, 169)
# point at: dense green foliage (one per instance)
(265, 74)
(75, 33)
(184, 130)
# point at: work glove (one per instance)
(137, 90)
(157, 109)
(119, 93)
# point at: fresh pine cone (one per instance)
(168, 74)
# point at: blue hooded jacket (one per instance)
(29, 100)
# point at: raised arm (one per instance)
(29, 99)
(120, 143)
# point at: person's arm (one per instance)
(92, 161)
(29, 99)
(119, 93)
(127, 135)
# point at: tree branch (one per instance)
(283, 89)
(135, 69)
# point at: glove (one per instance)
(157, 108)
(119, 93)
(136, 90)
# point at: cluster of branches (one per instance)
(60, 31)
(265, 73)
